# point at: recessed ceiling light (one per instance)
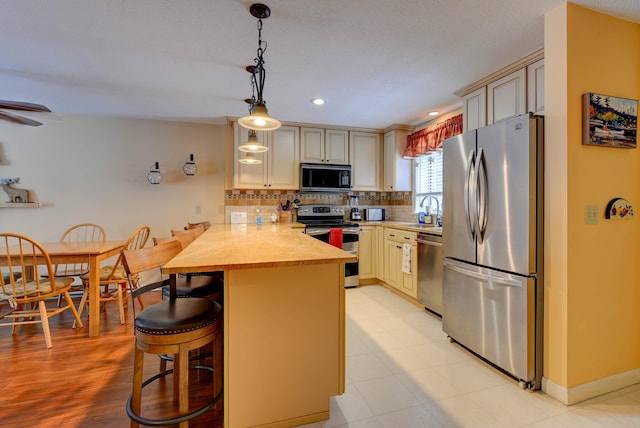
(318, 101)
(433, 113)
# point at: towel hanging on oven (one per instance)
(335, 237)
(406, 258)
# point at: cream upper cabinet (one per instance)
(507, 97)
(280, 165)
(319, 145)
(365, 152)
(535, 87)
(474, 114)
(397, 170)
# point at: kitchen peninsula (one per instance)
(284, 320)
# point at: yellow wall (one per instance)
(592, 320)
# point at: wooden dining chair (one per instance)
(114, 275)
(83, 232)
(27, 295)
(197, 229)
(206, 224)
(186, 237)
(173, 327)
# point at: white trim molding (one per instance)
(592, 389)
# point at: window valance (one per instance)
(430, 139)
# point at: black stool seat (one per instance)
(196, 286)
(177, 316)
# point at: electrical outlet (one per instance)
(591, 214)
(197, 209)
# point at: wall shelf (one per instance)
(20, 205)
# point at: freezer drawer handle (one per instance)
(480, 275)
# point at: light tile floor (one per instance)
(403, 372)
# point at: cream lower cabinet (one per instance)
(394, 275)
(366, 252)
(379, 252)
(365, 152)
(280, 165)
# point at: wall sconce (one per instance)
(190, 168)
(155, 176)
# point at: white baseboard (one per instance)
(592, 389)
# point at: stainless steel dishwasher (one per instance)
(430, 272)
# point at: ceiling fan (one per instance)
(23, 106)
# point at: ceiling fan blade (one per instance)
(21, 105)
(19, 119)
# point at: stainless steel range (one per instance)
(319, 220)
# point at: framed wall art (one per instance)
(609, 121)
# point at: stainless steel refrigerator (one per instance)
(492, 244)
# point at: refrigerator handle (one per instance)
(483, 195)
(469, 194)
(477, 195)
(495, 277)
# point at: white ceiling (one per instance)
(377, 62)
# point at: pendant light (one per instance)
(259, 118)
(253, 145)
(249, 159)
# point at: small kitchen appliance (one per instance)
(374, 214)
(355, 214)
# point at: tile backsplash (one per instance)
(398, 205)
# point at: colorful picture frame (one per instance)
(609, 121)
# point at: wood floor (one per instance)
(82, 381)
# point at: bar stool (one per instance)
(174, 326)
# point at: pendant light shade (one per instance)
(249, 159)
(259, 119)
(253, 145)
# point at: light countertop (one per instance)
(404, 225)
(245, 246)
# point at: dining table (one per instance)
(81, 252)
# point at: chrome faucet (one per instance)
(438, 218)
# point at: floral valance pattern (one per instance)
(430, 139)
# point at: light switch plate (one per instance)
(591, 214)
(239, 217)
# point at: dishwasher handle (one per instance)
(432, 243)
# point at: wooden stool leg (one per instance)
(136, 395)
(182, 360)
(217, 367)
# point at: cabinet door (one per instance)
(409, 284)
(312, 145)
(397, 170)
(365, 160)
(379, 252)
(248, 176)
(366, 253)
(337, 147)
(284, 158)
(393, 265)
(474, 105)
(535, 87)
(506, 97)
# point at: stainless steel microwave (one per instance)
(316, 177)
